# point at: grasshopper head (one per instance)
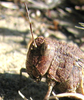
(39, 58)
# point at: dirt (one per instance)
(14, 37)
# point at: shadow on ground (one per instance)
(11, 83)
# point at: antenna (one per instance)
(30, 26)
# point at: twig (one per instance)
(74, 95)
(22, 95)
(53, 93)
(31, 98)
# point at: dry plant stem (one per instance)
(74, 95)
(31, 98)
(53, 93)
(22, 95)
(82, 82)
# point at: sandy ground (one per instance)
(13, 50)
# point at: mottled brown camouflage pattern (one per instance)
(57, 61)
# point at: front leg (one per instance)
(50, 87)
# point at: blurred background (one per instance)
(57, 19)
